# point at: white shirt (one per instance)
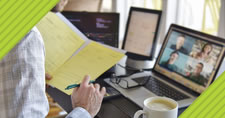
(22, 81)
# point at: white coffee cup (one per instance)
(158, 107)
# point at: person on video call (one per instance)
(179, 45)
(169, 64)
(22, 89)
(196, 75)
(203, 55)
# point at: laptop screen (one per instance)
(189, 57)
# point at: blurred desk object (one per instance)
(55, 110)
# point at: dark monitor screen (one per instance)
(190, 58)
(100, 27)
(141, 33)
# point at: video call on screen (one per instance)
(190, 57)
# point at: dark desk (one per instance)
(112, 107)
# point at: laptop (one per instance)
(186, 65)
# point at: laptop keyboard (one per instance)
(160, 89)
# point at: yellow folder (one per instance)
(69, 57)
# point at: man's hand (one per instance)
(47, 77)
(88, 96)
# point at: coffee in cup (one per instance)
(158, 107)
(161, 104)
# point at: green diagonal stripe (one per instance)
(210, 104)
(17, 18)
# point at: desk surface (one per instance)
(114, 107)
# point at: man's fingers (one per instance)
(97, 87)
(47, 76)
(92, 88)
(85, 81)
(103, 90)
(75, 90)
